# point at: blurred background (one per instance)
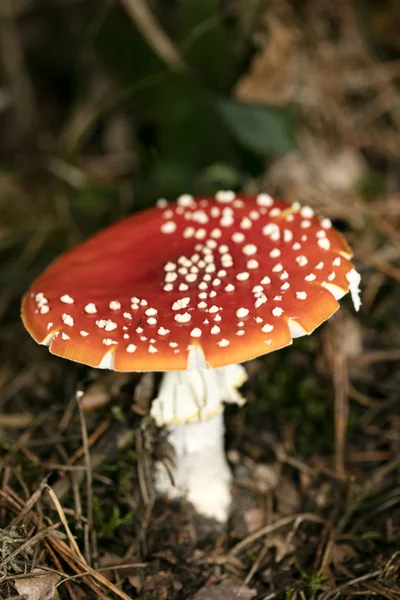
(108, 105)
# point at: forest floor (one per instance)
(315, 452)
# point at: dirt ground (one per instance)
(105, 107)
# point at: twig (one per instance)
(341, 386)
(273, 527)
(89, 478)
(144, 20)
(354, 581)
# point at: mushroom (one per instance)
(192, 289)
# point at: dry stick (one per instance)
(89, 480)
(77, 562)
(157, 39)
(29, 504)
(73, 565)
(110, 568)
(331, 593)
(74, 546)
(255, 566)
(273, 527)
(60, 570)
(92, 439)
(341, 385)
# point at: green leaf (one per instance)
(260, 128)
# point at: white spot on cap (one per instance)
(163, 331)
(310, 277)
(267, 328)
(242, 276)
(277, 268)
(252, 264)
(277, 311)
(301, 295)
(83, 333)
(287, 235)
(215, 329)
(260, 301)
(127, 315)
(275, 253)
(305, 224)
(266, 280)
(324, 243)
(180, 304)
(44, 309)
(229, 288)
(264, 200)
(245, 223)
(189, 232)
(108, 342)
(213, 309)
(326, 223)
(182, 317)
(185, 200)
(151, 312)
(275, 212)
(152, 349)
(168, 227)
(131, 348)
(196, 332)
(67, 299)
(115, 305)
(249, 249)
(90, 308)
(307, 212)
(68, 320)
(242, 312)
(238, 237)
(301, 260)
(223, 343)
(64, 336)
(225, 196)
(170, 266)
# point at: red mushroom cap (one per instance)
(204, 281)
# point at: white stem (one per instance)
(201, 473)
(190, 405)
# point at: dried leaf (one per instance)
(38, 587)
(227, 590)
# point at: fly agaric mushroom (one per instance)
(193, 288)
